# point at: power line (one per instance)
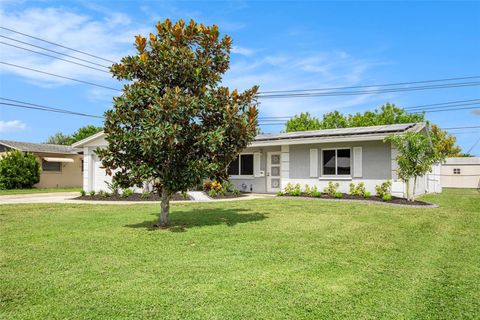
(376, 91)
(443, 103)
(57, 44)
(49, 55)
(372, 85)
(28, 105)
(59, 76)
(54, 51)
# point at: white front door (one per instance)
(273, 172)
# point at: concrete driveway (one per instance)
(38, 197)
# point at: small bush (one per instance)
(297, 190)
(367, 194)
(280, 193)
(19, 170)
(212, 185)
(316, 194)
(185, 195)
(383, 189)
(338, 195)
(212, 193)
(386, 197)
(288, 188)
(307, 190)
(236, 191)
(92, 193)
(113, 187)
(126, 193)
(331, 189)
(83, 193)
(145, 195)
(358, 190)
(101, 193)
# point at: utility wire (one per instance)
(349, 93)
(59, 76)
(45, 108)
(49, 55)
(54, 51)
(57, 44)
(369, 86)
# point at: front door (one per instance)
(273, 172)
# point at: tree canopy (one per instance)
(19, 170)
(415, 157)
(80, 134)
(388, 113)
(174, 125)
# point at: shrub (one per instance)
(280, 193)
(383, 189)
(207, 186)
(386, 197)
(358, 190)
(296, 191)
(19, 170)
(338, 195)
(92, 193)
(83, 193)
(367, 194)
(316, 194)
(126, 193)
(288, 188)
(185, 195)
(236, 191)
(212, 193)
(307, 190)
(212, 185)
(113, 187)
(145, 195)
(102, 193)
(331, 189)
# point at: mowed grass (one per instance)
(37, 190)
(263, 259)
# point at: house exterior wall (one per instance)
(70, 175)
(376, 165)
(469, 176)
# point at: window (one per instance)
(51, 166)
(242, 166)
(456, 170)
(336, 162)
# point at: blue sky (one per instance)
(277, 45)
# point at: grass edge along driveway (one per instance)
(265, 258)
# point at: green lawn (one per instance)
(266, 258)
(37, 190)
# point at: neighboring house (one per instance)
(461, 172)
(61, 165)
(309, 157)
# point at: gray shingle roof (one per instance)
(385, 129)
(39, 147)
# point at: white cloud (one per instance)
(242, 51)
(12, 125)
(109, 37)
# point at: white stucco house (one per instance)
(308, 157)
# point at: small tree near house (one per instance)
(415, 157)
(173, 124)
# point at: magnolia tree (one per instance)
(415, 157)
(174, 125)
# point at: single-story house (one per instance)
(272, 161)
(461, 173)
(61, 165)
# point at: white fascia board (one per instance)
(85, 141)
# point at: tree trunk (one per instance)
(165, 208)
(414, 185)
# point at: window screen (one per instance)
(233, 168)
(336, 162)
(456, 170)
(343, 161)
(246, 163)
(329, 162)
(51, 166)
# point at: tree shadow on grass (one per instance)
(180, 221)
